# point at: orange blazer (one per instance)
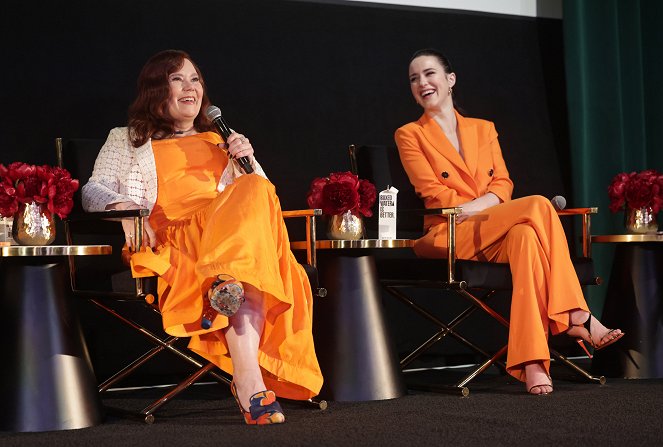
(440, 176)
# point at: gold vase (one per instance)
(345, 226)
(33, 225)
(640, 220)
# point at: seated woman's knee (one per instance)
(540, 202)
(522, 232)
(253, 181)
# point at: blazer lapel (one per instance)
(469, 142)
(436, 138)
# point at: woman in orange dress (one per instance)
(455, 161)
(215, 237)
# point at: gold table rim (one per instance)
(54, 250)
(653, 237)
(325, 244)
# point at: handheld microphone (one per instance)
(558, 202)
(214, 115)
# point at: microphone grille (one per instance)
(213, 112)
(559, 202)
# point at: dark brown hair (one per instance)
(444, 61)
(148, 114)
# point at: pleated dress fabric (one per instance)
(240, 232)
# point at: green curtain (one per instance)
(614, 76)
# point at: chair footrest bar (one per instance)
(320, 404)
(154, 406)
(463, 391)
(601, 380)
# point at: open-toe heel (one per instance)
(225, 295)
(583, 342)
(264, 409)
(529, 391)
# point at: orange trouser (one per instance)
(527, 234)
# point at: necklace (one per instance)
(181, 132)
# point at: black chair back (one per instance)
(106, 273)
(382, 166)
(78, 157)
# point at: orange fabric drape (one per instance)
(240, 232)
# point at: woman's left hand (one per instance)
(239, 146)
(476, 206)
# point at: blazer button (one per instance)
(490, 173)
(445, 174)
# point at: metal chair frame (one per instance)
(450, 282)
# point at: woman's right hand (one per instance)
(149, 237)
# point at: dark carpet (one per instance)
(497, 412)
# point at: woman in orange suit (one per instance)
(455, 161)
(215, 237)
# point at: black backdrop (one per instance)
(302, 80)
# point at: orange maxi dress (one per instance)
(240, 232)
(525, 232)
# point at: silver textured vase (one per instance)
(33, 225)
(345, 226)
(640, 220)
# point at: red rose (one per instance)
(314, 196)
(24, 183)
(61, 201)
(367, 196)
(344, 177)
(341, 192)
(338, 198)
(8, 204)
(637, 190)
(658, 197)
(617, 189)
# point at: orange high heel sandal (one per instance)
(264, 409)
(597, 346)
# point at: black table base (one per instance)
(46, 381)
(352, 339)
(634, 303)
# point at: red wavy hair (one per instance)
(148, 114)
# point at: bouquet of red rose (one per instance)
(51, 187)
(643, 189)
(341, 192)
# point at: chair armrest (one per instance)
(586, 226)
(138, 216)
(110, 214)
(302, 213)
(432, 211)
(309, 215)
(577, 211)
(450, 214)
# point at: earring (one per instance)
(450, 90)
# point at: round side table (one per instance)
(47, 382)
(634, 303)
(352, 338)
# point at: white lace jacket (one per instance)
(123, 173)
